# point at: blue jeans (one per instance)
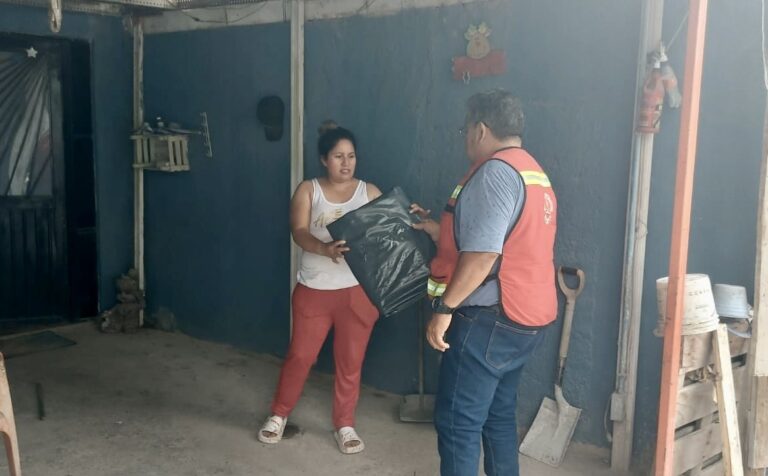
(477, 392)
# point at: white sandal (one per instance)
(346, 435)
(275, 425)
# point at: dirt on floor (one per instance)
(162, 404)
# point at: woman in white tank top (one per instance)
(327, 295)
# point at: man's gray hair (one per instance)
(499, 110)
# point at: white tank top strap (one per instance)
(317, 191)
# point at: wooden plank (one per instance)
(758, 428)
(717, 469)
(693, 449)
(726, 403)
(697, 350)
(698, 400)
(760, 324)
(739, 345)
(756, 446)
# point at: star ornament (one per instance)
(31, 52)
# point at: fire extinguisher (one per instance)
(652, 102)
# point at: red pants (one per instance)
(352, 316)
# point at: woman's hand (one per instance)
(427, 225)
(334, 250)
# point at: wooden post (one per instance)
(623, 399)
(681, 221)
(756, 446)
(297, 118)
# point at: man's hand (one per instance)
(436, 330)
(430, 227)
(419, 211)
(427, 225)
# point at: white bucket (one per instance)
(699, 311)
(731, 301)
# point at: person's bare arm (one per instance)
(471, 271)
(301, 209)
(373, 191)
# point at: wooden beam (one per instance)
(760, 324)
(273, 11)
(756, 445)
(726, 404)
(681, 220)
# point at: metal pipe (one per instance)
(297, 118)
(138, 174)
(681, 223)
(623, 398)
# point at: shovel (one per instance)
(552, 429)
(418, 408)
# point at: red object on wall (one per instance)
(652, 102)
(465, 68)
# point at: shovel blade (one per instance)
(551, 432)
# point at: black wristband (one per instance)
(439, 307)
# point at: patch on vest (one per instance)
(549, 208)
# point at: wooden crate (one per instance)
(698, 438)
(161, 152)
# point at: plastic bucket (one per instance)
(731, 301)
(699, 310)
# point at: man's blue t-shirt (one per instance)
(488, 207)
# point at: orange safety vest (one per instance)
(526, 273)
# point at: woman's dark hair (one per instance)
(330, 135)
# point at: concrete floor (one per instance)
(158, 404)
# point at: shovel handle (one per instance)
(569, 292)
(570, 305)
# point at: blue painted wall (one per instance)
(389, 79)
(722, 238)
(217, 237)
(111, 100)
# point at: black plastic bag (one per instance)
(387, 256)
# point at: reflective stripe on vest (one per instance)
(526, 276)
(531, 177)
(435, 289)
